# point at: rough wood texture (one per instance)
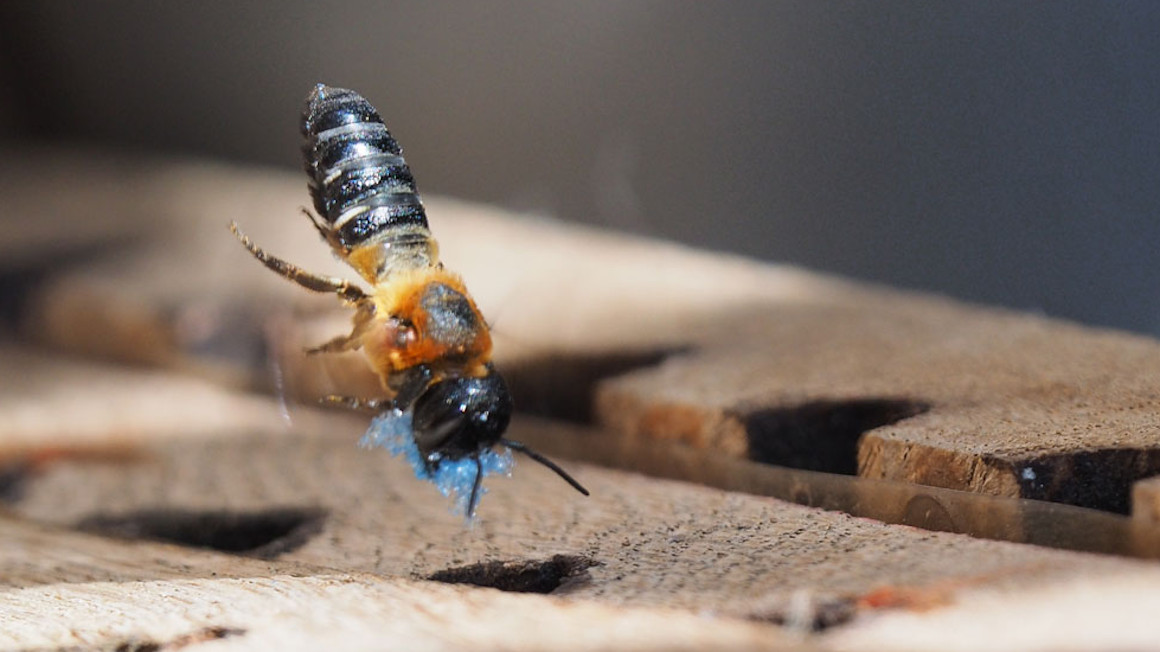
(1004, 404)
(64, 589)
(1063, 615)
(636, 541)
(189, 295)
(780, 365)
(732, 356)
(646, 560)
(1146, 501)
(49, 402)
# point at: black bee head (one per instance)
(457, 417)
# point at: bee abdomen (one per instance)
(359, 181)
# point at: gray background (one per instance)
(1004, 152)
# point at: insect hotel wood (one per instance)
(759, 443)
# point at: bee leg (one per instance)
(410, 384)
(336, 345)
(322, 230)
(413, 386)
(352, 403)
(316, 282)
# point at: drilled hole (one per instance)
(562, 386)
(1099, 479)
(821, 435)
(519, 576)
(14, 478)
(15, 289)
(265, 534)
(22, 278)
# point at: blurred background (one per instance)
(1000, 152)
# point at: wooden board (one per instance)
(355, 547)
(653, 543)
(1106, 612)
(187, 294)
(678, 348)
(64, 590)
(50, 402)
(1146, 501)
(947, 395)
(779, 365)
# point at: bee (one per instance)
(444, 405)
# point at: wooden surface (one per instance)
(47, 400)
(65, 590)
(1146, 501)
(956, 396)
(636, 530)
(685, 363)
(1004, 404)
(724, 568)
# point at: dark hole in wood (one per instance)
(21, 280)
(519, 576)
(1099, 479)
(821, 435)
(14, 478)
(16, 289)
(562, 386)
(264, 534)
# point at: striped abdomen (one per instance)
(361, 186)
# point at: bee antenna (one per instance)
(519, 446)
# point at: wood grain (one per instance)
(63, 589)
(1005, 404)
(188, 295)
(948, 395)
(652, 543)
(660, 346)
(53, 403)
(1063, 615)
(1146, 501)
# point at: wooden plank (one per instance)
(948, 395)
(170, 296)
(190, 297)
(637, 541)
(719, 566)
(49, 403)
(673, 565)
(1146, 501)
(62, 589)
(1062, 615)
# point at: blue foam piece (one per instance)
(393, 431)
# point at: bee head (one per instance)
(457, 417)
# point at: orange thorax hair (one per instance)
(424, 315)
